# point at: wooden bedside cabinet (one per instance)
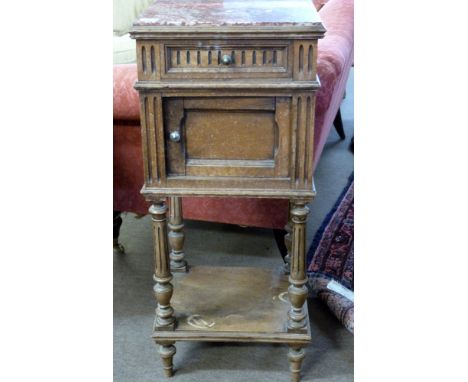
(227, 92)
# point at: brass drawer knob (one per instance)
(226, 59)
(174, 136)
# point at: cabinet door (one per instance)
(227, 136)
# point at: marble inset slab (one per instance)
(230, 13)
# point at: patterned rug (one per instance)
(330, 260)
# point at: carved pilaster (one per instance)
(297, 291)
(295, 357)
(165, 319)
(167, 350)
(305, 60)
(176, 236)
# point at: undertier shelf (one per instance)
(242, 304)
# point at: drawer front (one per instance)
(205, 59)
(227, 137)
(208, 59)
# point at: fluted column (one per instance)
(165, 319)
(176, 236)
(297, 290)
(287, 243)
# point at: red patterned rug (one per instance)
(330, 260)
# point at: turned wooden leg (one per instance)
(118, 248)
(297, 290)
(176, 236)
(295, 356)
(166, 351)
(165, 319)
(287, 243)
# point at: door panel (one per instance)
(226, 134)
(228, 137)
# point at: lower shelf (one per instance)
(232, 304)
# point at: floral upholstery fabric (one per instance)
(340, 306)
(330, 259)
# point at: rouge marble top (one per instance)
(216, 13)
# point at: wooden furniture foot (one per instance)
(297, 290)
(176, 236)
(118, 248)
(166, 351)
(163, 289)
(295, 356)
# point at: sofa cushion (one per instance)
(126, 100)
(252, 212)
(125, 12)
(335, 57)
(335, 49)
(124, 49)
(128, 168)
(319, 4)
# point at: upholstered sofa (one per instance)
(335, 57)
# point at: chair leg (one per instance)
(338, 123)
(279, 238)
(118, 248)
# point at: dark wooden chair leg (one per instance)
(279, 237)
(338, 123)
(118, 248)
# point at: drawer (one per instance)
(227, 137)
(227, 59)
(215, 59)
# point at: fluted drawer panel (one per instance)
(204, 59)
